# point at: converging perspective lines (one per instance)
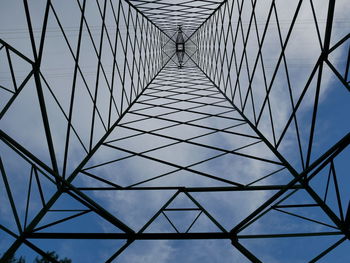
(174, 131)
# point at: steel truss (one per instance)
(121, 126)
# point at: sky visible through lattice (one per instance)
(103, 134)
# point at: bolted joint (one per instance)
(36, 66)
(180, 42)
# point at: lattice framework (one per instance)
(114, 114)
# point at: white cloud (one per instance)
(135, 208)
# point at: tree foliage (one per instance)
(51, 254)
(13, 259)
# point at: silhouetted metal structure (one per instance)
(180, 47)
(130, 104)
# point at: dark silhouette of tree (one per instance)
(53, 255)
(13, 259)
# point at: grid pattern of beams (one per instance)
(168, 15)
(122, 142)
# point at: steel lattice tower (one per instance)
(131, 121)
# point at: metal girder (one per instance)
(128, 114)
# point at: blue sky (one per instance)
(165, 129)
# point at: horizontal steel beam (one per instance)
(195, 189)
(170, 236)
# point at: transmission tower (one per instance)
(167, 131)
